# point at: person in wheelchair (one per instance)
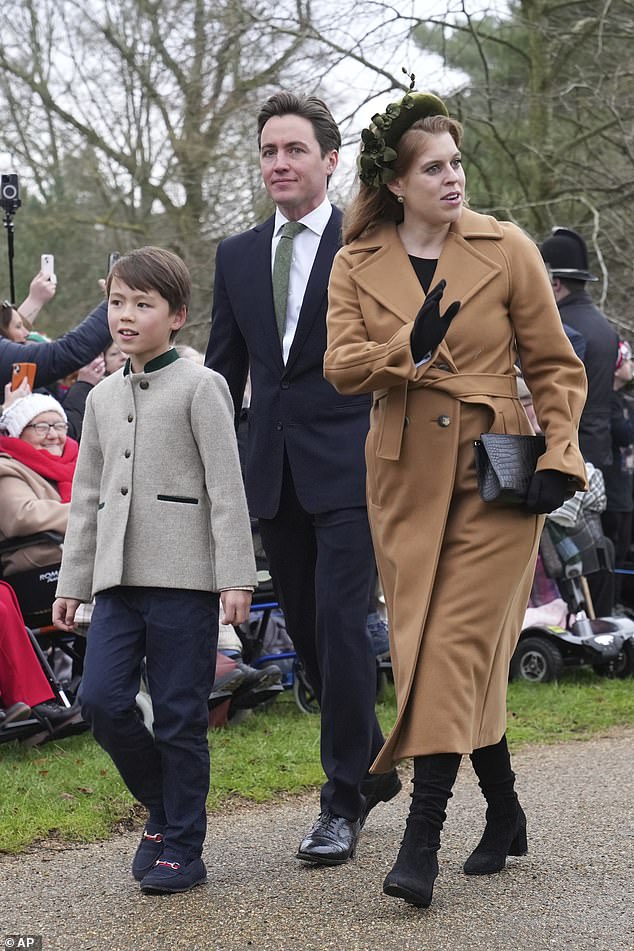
(37, 464)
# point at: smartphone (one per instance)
(113, 257)
(47, 266)
(23, 371)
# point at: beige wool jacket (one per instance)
(29, 503)
(456, 572)
(158, 498)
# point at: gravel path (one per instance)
(573, 891)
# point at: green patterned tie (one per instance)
(281, 272)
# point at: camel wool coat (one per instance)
(29, 503)
(456, 572)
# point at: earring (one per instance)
(400, 199)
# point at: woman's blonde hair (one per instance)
(372, 206)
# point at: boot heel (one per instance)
(519, 845)
(490, 854)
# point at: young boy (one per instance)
(158, 526)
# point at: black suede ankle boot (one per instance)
(505, 831)
(416, 868)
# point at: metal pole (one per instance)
(8, 224)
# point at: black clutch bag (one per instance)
(505, 464)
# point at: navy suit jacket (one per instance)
(601, 346)
(293, 408)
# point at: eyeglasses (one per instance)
(42, 428)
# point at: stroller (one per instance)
(569, 556)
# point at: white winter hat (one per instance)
(23, 411)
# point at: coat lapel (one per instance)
(388, 276)
(466, 269)
(262, 288)
(317, 287)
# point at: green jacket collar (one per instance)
(163, 360)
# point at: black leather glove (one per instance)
(429, 326)
(547, 490)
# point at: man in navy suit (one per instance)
(305, 470)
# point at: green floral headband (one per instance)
(378, 150)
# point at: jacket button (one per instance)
(444, 421)
(279, 427)
(285, 384)
(124, 491)
(127, 453)
(130, 418)
(144, 384)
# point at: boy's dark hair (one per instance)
(154, 269)
(308, 107)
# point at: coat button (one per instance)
(444, 421)
(130, 417)
(127, 453)
(279, 427)
(124, 490)
(285, 384)
(144, 384)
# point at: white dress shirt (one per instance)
(305, 246)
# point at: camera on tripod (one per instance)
(10, 193)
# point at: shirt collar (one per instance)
(163, 360)
(316, 220)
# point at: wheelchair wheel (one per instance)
(622, 666)
(302, 691)
(537, 660)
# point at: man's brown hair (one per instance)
(307, 107)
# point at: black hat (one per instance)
(566, 255)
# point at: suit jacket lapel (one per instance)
(317, 287)
(262, 289)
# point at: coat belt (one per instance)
(480, 388)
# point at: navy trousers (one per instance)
(322, 567)
(177, 633)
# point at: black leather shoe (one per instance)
(56, 713)
(378, 788)
(331, 841)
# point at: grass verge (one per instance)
(69, 790)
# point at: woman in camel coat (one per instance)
(456, 572)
